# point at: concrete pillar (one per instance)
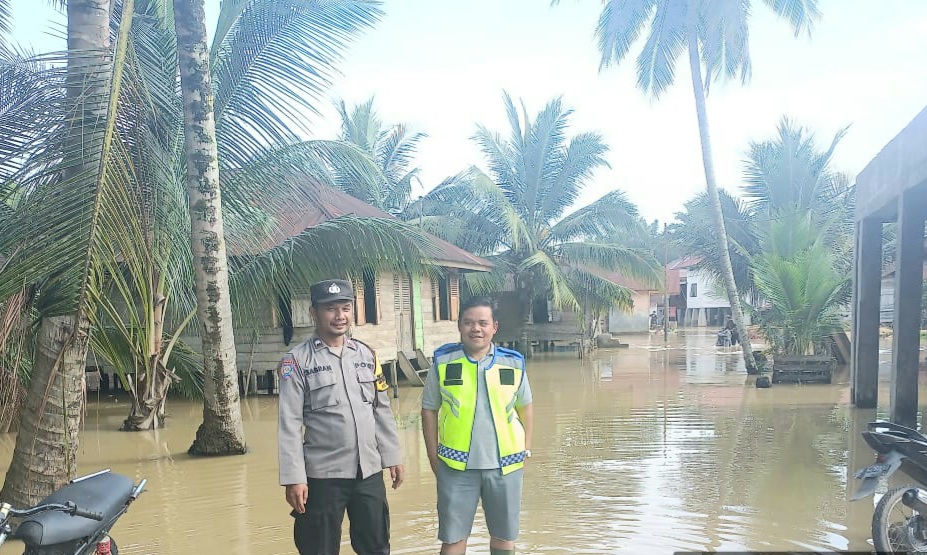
(867, 293)
(908, 285)
(701, 318)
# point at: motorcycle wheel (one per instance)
(897, 528)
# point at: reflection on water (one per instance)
(648, 449)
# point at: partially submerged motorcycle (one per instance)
(74, 520)
(899, 522)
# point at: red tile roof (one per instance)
(684, 262)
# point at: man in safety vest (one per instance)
(476, 419)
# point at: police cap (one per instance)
(331, 290)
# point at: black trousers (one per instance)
(318, 530)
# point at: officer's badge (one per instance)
(334, 289)
(287, 367)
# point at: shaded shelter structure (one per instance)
(891, 188)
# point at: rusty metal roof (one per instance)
(322, 203)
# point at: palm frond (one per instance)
(637, 264)
(257, 104)
(619, 27)
(801, 14)
(31, 111)
(554, 280)
(58, 226)
(393, 149)
(275, 182)
(573, 168)
(488, 283)
(187, 364)
(788, 171)
(609, 216)
(724, 34)
(656, 64)
(598, 293)
(484, 207)
(361, 126)
(697, 235)
(5, 18)
(500, 158)
(345, 246)
(541, 156)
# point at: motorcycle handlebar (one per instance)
(69, 507)
(87, 514)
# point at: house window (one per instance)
(367, 302)
(693, 290)
(445, 292)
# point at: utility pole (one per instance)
(665, 285)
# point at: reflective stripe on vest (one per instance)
(458, 386)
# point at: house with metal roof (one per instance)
(403, 317)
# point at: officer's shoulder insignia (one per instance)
(361, 343)
(288, 366)
(317, 343)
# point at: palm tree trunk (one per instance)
(720, 230)
(150, 393)
(52, 412)
(221, 432)
(45, 456)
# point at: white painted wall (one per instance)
(705, 287)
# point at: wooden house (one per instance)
(402, 317)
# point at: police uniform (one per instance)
(336, 433)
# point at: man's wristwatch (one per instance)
(527, 453)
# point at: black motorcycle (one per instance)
(75, 519)
(899, 522)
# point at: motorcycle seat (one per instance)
(105, 493)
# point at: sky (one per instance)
(441, 67)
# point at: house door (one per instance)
(402, 304)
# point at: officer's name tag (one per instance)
(507, 376)
(317, 369)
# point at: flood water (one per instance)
(648, 449)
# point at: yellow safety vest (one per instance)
(458, 386)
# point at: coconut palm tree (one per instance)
(144, 303)
(516, 217)
(55, 234)
(393, 148)
(786, 174)
(222, 431)
(715, 36)
(804, 289)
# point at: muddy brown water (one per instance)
(649, 449)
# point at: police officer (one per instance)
(334, 387)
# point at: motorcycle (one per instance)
(76, 519)
(899, 522)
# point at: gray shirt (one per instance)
(484, 447)
(333, 419)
